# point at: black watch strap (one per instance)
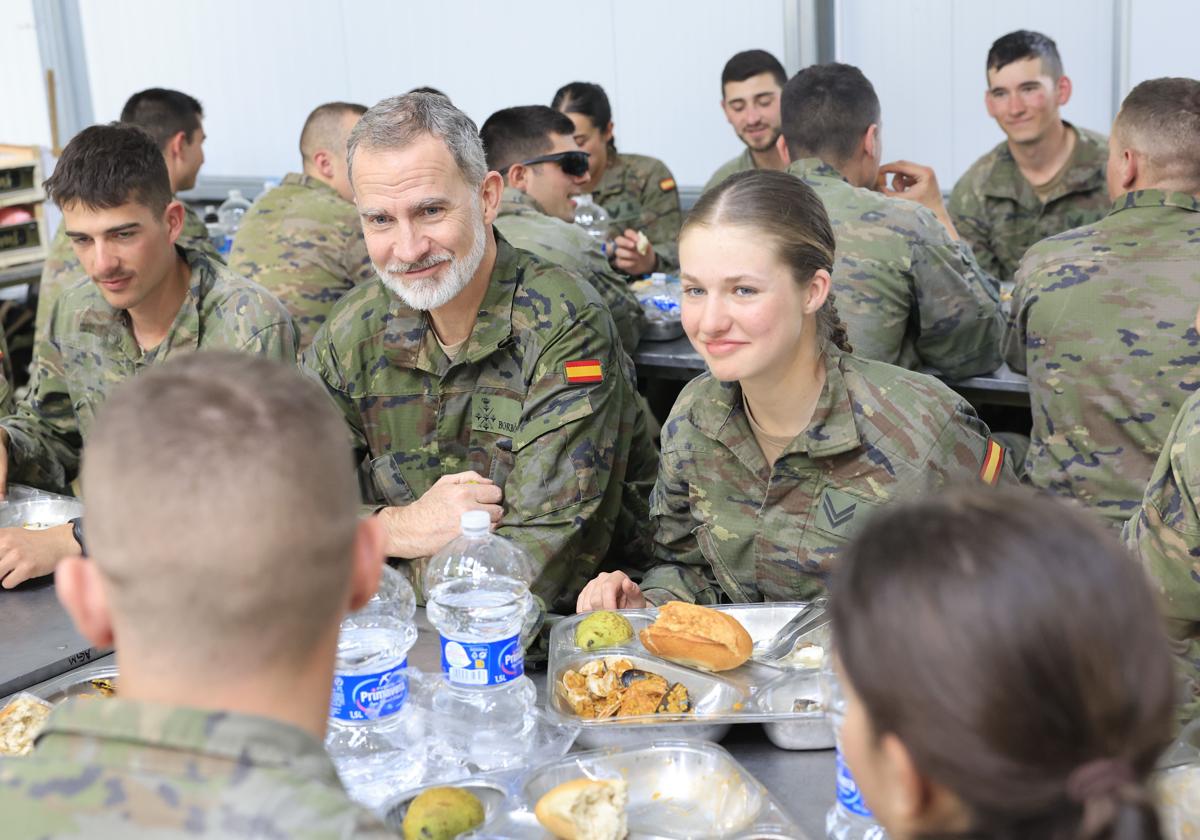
(77, 532)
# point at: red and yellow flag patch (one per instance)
(666, 184)
(993, 463)
(583, 371)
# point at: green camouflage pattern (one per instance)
(303, 243)
(742, 163)
(62, 269)
(118, 768)
(630, 190)
(1164, 535)
(999, 213)
(526, 226)
(909, 294)
(1101, 322)
(575, 461)
(6, 378)
(729, 527)
(89, 348)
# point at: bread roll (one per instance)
(697, 637)
(584, 809)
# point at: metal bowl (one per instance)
(39, 514)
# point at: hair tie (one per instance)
(1100, 778)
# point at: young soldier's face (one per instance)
(1024, 100)
(552, 188)
(752, 108)
(128, 251)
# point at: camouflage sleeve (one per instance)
(966, 451)
(278, 340)
(961, 321)
(357, 263)
(967, 212)
(622, 302)
(319, 362)
(1016, 332)
(661, 216)
(6, 378)
(59, 270)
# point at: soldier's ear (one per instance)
(174, 147)
(817, 291)
(489, 196)
(80, 589)
(781, 146)
(1062, 90)
(518, 176)
(368, 561)
(173, 218)
(323, 163)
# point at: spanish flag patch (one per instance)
(993, 463)
(583, 371)
(666, 184)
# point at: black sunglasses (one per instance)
(574, 164)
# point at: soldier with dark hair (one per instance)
(751, 86)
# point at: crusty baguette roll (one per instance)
(584, 809)
(697, 637)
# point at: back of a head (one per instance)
(105, 166)
(398, 121)
(163, 113)
(1016, 651)
(750, 63)
(1160, 118)
(825, 110)
(222, 509)
(1024, 44)
(324, 130)
(516, 134)
(585, 98)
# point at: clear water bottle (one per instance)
(216, 233)
(229, 215)
(849, 818)
(594, 219)
(477, 596)
(376, 735)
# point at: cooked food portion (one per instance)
(602, 629)
(585, 809)
(20, 722)
(442, 813)
(105, 686)
(697, 637)
(612, 687)
(805, 655)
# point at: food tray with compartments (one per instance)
(755, 692)
(92, 681)
(676, 789)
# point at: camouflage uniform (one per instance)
(120, 768)
(1164, 535)
(731, 528)
(1102, 324)
(89, 348)
(742, 163)
(61, 270)
(524, 224)
(574, 459)
(6, 378)
(639, 192)
(909, 294)
(303, 243)
(999, 213)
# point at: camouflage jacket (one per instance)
(564, 440)
(742, 163)
(909, 294)
(1102, 324)
(639, 192)
(1164, 535)
(303, 243)
(999, 213)
(118, 768)
(61, 270)
(6, 378)
(728, 527)
(569, 246)
(89, 348)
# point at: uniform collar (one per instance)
(120, 724)
(815, 170)
(1086, 163)
(513, 202)
(1156, 198)
(302, 180)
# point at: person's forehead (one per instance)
(714, 253)
(752, 87)
(583, 123)
(1016, 72)
(81, 218)
(421, 168)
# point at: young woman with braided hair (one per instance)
(778, 454)
(1006, 672)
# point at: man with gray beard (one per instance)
(474, 376)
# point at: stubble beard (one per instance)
(437, 290)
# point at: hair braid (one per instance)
(832, 326)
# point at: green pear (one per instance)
(602, 629)
(442, 813)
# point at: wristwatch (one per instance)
(77, 532)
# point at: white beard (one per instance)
(438, 289)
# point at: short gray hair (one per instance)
(397, 121)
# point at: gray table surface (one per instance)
(802, 782)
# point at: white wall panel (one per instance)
(1163, 40)
(24, 118)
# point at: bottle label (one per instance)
(848, 793)
(483, 663)
(361, 697)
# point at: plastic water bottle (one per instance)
(229, 214)
(849, 818)
(216, 233)
(594, 219)
(477, 591)
(376, 735)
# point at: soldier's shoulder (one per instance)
(651, 169)
(226, 291)
(360, 311)
(979, 173)
(1094, 140)
(555, 293)
(702, 405)
(896, 393)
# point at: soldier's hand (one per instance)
(28, 554)
(421, 528)
(635, 253)
(610, 591)
(916, 183)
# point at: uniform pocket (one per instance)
(387, 482)
(710, 547)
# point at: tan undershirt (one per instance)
(451, 350)
(772, 446)
(1044, 191)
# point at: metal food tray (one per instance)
(755, 692)
(77, 683)
(662, 329)
(677, 790)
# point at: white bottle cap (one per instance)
(475, 521)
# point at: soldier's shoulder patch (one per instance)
(583, 371)
(666, 184)
(993, 463)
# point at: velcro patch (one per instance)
(841, 514)
(584, 371)
(993, 463)
(498, 415)
(666, 184)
